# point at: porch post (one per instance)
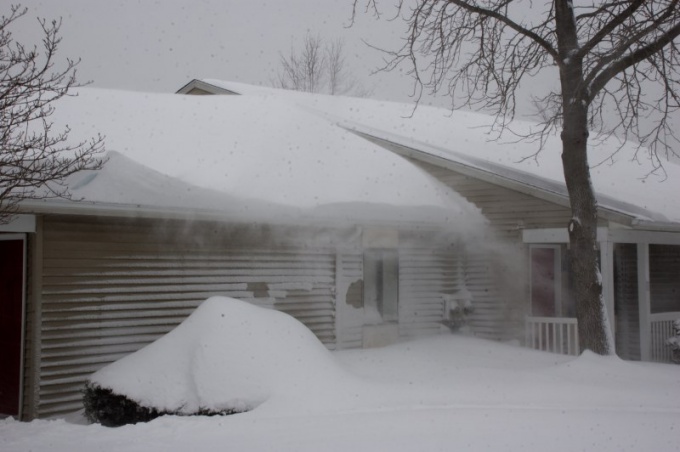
(607, 272)
(33, 400)
(644, 301)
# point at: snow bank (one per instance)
(227, 355)
(439, 393)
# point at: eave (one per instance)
(545, 189)
(203, 86)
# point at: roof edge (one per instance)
(208, 88)
(552, 191)
(309, 217)
(554, 194)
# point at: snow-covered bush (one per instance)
(113, 410)
(227, 357)
(674, 342)
(105, 407)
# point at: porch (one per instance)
(641, 288)
(560, 335)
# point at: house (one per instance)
(522, 194)
(365, 220)
(252, 198)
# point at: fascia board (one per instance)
(200, 84)
(548, 191)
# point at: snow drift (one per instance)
(227, 356)
(437, 393)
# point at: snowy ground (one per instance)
(442, 393)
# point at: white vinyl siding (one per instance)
(492, 277)
(109, 288)
(425, 276)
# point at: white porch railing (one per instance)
(661, 328)
(552, 334)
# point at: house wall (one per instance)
(425, 276)
(108, 287)
(508, 211)
(198, 92)
(427, 272)
(496, 271)
(101, 288)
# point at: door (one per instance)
(11, 315)
(381, 286)
(545, 280)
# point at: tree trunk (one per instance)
(590, 314)
(592, 327)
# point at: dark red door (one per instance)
(11, 282)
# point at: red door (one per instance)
(11, 301)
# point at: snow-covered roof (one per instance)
(623, 174)
(244, 158)
(282, 156)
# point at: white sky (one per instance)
(147, 45)
(159, 45)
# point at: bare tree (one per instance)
(318, 67)
(605, 52)
(304, 71)
(336, 66)
(35, 159)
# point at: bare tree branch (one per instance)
(618, 61)
(608, 28)
(499, 13)
(318, 67)
(35, 159)
(627, 61)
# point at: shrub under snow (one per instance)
(228, 356)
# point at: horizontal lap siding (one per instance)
(350, 298)
(493, 316)
(500, 293)
(424, 277)
(110, 289)
(507, 210)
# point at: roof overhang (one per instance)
(502, 176)
(200, 87)
(293, 217)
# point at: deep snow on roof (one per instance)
(623, 174)
(246, 157)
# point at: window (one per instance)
(664, 274)
(381, 286)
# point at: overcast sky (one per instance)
(159, 45)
